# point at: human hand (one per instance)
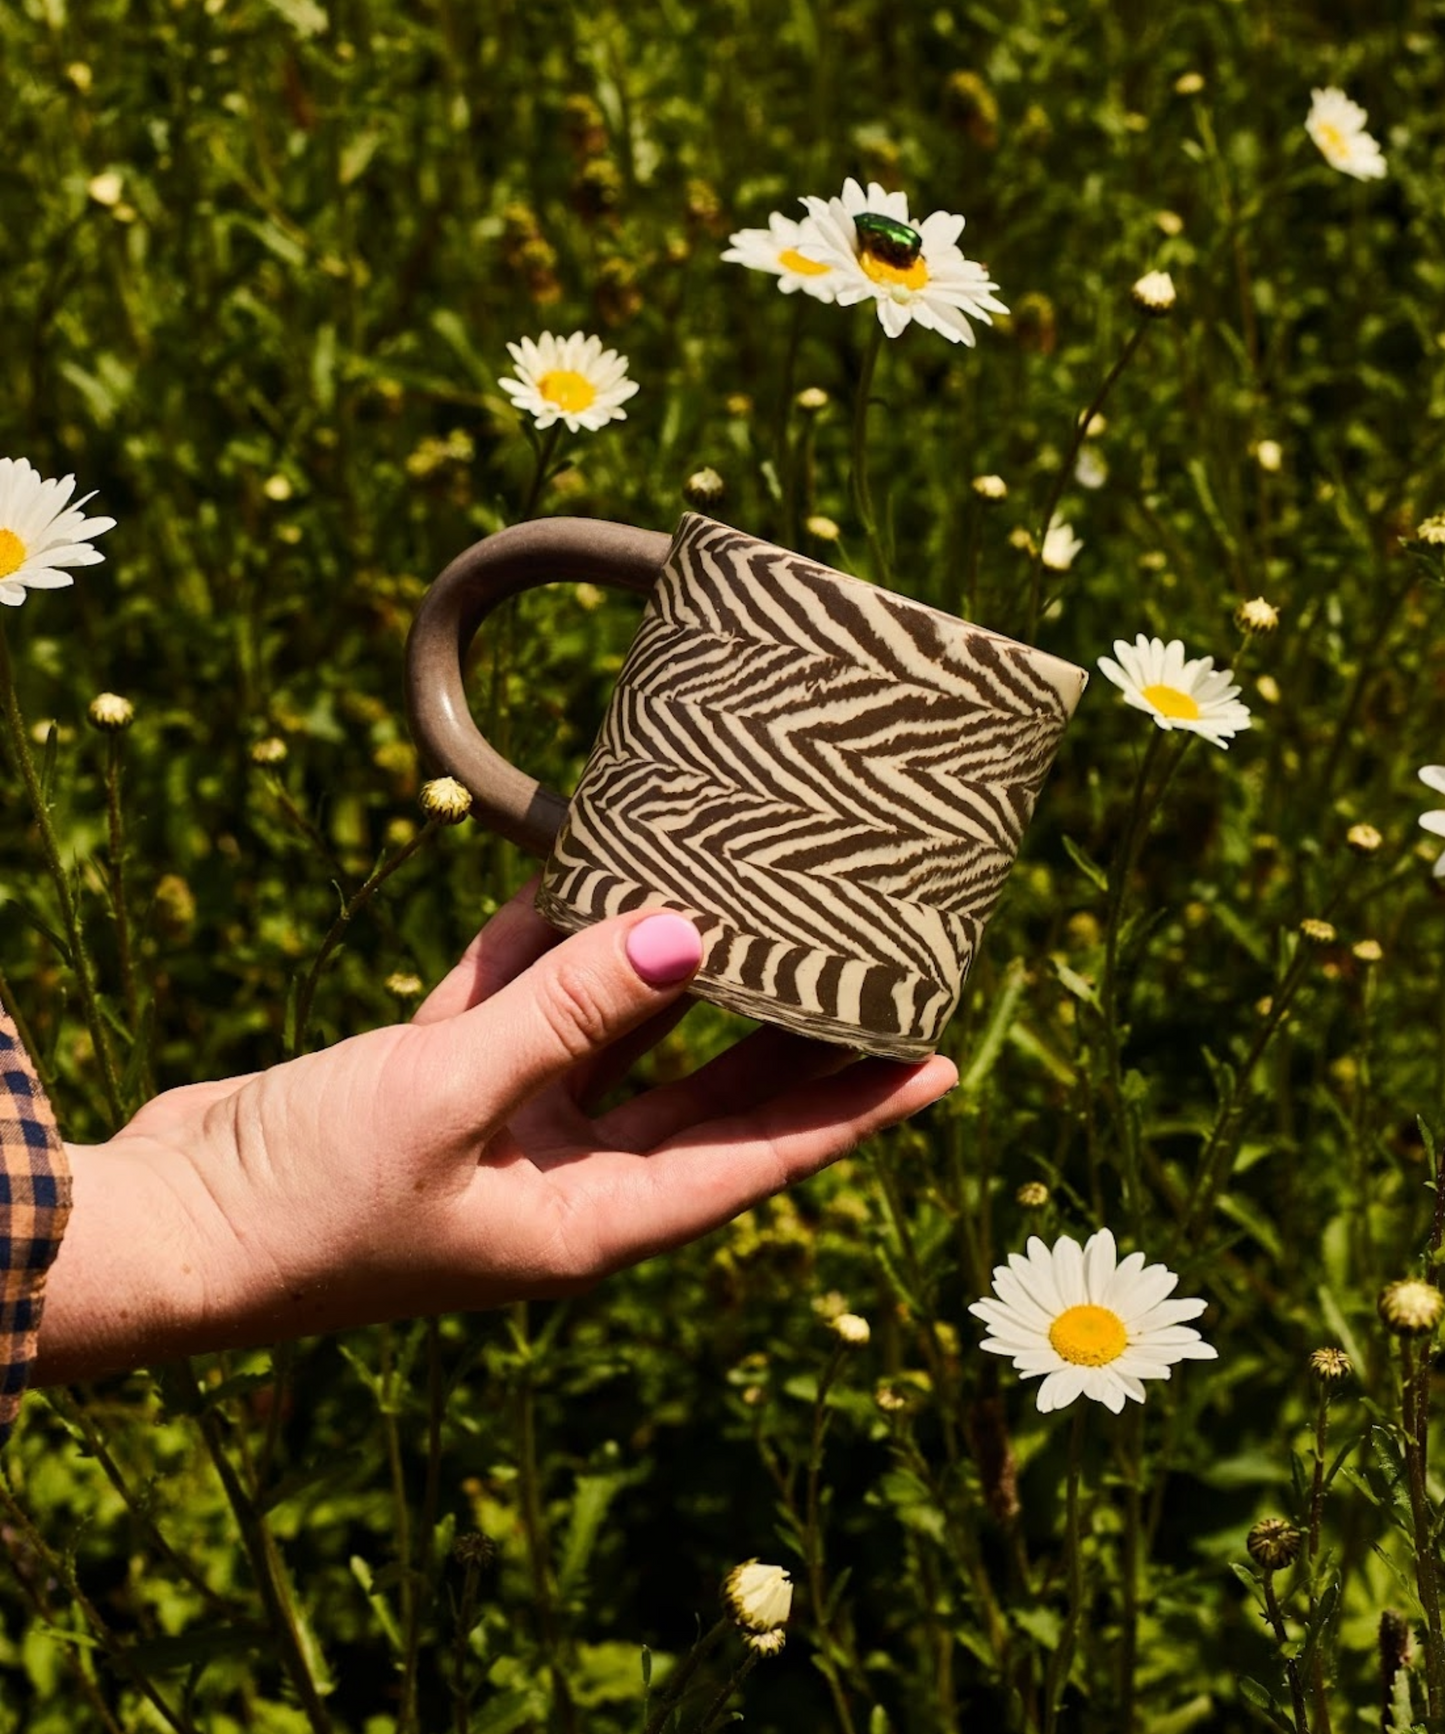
(451, 1163)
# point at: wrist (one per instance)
(129, 1283)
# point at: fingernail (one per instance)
(665, 949)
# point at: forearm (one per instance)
(128, 1285)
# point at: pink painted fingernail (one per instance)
(665, 949)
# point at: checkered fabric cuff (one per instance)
(34, 1205)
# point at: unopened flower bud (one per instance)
(1154, 294)
(268, 752)
(1411, 1308)
(704, 488)
(1329, 1366)
(1317, 932)
(1256, 616)
(1363, 839)
(106, 189)
(110, 713)
(992, 490)
(824, 529)
(765, 1643)
(277, 488)
(1189, 84)
(1032, 1195)
(1432, 530)
(1367, 950)
(758, 1597)
(851, 1329)
(403, 984)
(1269, 455)
(1273, 1543)
(446, 799)
(811, 399)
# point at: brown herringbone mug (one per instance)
(830, 779)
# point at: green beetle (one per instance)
(888, 239)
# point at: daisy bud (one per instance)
(739, 404)
(1189, 84)
(1269, 455)
(106, 189)
(704, 488)
(403, 984)
(890, 1400)
(1329, 1366)
(110, 713)
(851, 1330)
(1411, 1308)
(758, 1597)
(1273, 1543)
(1432, 531)
(992, 490)
(1367, 951)
(474, 1549)
(765, 1643)
(80, 76)
(1363, 839)
(1256, 616)
(1268, 688)
(1032, 1195)
(1317, 932)
(1154, 294)
(811, 399)
(823, 528)
(446, 799)
(1169, 223)
(277, 488)
(271, 751)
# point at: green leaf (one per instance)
(362, 1572)
(590, 1499)
(1086, 864)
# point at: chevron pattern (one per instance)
(830, 779)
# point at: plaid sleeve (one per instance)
(34, 1204)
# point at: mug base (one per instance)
(731, 996)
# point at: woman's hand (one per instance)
(450, 1163)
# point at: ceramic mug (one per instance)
(830, 779)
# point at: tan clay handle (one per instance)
(545, 551)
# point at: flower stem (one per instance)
(858, 480)
(1066, 469)
(1291, 1665)
(1061, 1662)
(713, 1715)
(681, 1677)
(79, 956)
(1415, 1362)
(337, 932)
(546, 450)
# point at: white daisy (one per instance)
(1433, 777)
(1090, 1324)
(1060, 547)
(775, 249)
(1194, 695)
(1337, 126)
(914, 271)
(40, 531)
(571, 379)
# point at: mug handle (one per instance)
(543, 551)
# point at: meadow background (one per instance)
(261, 262)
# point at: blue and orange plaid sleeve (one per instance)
(34, 1205)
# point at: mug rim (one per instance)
(1044, 660)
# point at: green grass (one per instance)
(330, 223)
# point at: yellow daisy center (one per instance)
(913, 276)
(1331, 140)
(12, 553)
(568, 389)
(1169, 701)
(1089, 1336)
(792, 260)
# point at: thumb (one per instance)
(574, 1001)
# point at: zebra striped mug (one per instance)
(830, 779)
